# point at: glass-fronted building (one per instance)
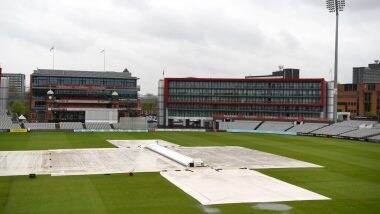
(196, 101)
(16, 85)
(370, 74)
(75, 91)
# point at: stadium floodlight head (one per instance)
(334, 6)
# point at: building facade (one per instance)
(16, 85)
(361, 100)
(4, 87)
(370, 74)
(66, 95)
(194, 102)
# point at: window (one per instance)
(367, 102)
(350, 87)
(371, 87)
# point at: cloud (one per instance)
(36, 26)
(363, 5)
(187, 37)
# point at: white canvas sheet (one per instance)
(237, 157)
(24, 162)
(208, 186)
(83, 161)
(133, 156)
(140, 143)
(236, 186)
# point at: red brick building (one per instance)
(361, 100)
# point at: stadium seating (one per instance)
(239, 124)
(334, 129)
(275, 126)
(343, 127)
(40, 126)
(5, 121)
(306, 127)
(375, 138)
(71, 125)
(357, 129)
(362, 133)
(98, 126)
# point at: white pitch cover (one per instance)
(209, 186)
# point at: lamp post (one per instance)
(336, 6)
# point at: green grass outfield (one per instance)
(351, 176)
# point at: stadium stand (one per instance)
(40, 126)
(334, 129)
(98, 126)
(306, 127)
(353, 129)
(5, 121)
(359, 123)
(343, 127)
(71, 125)
(239, 124)
(275, 126)
(375, 138)
(362, 133)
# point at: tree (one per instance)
(148, 107)
(149, 104)
(19, 107)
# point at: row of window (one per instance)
(243, 92)
(244, 84)
(41, 105)
(350, 87)
(283, 100)
(123, 93)
(347, 103)
(43, 81)
(245, 108)
(354, 87)
(180, 113)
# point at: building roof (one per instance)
(246, 79)
(12, 74)
(74, 73)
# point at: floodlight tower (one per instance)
(336, 6)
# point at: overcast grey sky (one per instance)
(198, 38)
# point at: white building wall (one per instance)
(161, 104)
(133, 123)
(101, 115)
(330, 100)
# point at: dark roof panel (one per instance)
(73, 73)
